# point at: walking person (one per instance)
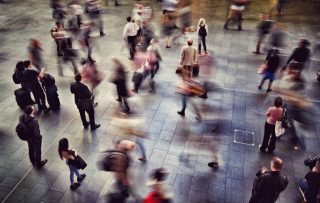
(202, 31)
(35, 54)
(129, 35)
(268, 184)
(31, 76)
(84, 101)
(274, 114)
(35, 140)
(272, 62)
(310, 185)
(121, 85)
(94, 12)
(154, 56)
(235, 13)
(299, 56)
(264, 28)
(68, 154)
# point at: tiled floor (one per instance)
(184, 146)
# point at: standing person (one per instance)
(202, 31)
(311, 184)
(280, 5)
(264, 28)
(31, 76)
(269, 183)
(188, 57)
(129, 35)
(35, 140)
(235, 13)
(274, 114)
(84, 102)
(35, 54)
(299, 56)
(120, 81)
(68, 154)
(272, 62)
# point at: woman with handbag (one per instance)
(274, 114)
(272, 65)
(70, 155)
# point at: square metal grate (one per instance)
(243, 137)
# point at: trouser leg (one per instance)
(71, 174)
(184, 103)
(141, 147)
(91, 117)
(203, 39)
(83, 117)
(31, 153)
(272, 144)
(126, 104)
(199, 44)
(37, 151)
(266, 137)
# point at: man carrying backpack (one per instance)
(28, 130)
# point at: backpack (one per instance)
(202, 31)
(17, 76)
(109, 159)
(48, 80)
(23, 131)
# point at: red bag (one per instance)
(153, 197)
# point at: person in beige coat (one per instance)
(188, 57)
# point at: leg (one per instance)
(272, 143)
(226, 23)
(37, 151)
(184, 105)
(91, 117)
(31, 153)
(266, 137)
(269, 85)
(71, 168)
(43, 100)
(204, 44)
(83, 118)
(75, 68)
(261, 83)
(141, 148)
(199, 45)
(126, 105)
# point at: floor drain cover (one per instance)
(243, 137)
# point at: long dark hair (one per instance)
(63, 146)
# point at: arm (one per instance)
(268, 112)
(36, 129)
(206, 27)
(293, 55)
(182, 56)
(125, 31)
(67, 155)
(195, 58)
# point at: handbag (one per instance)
(282, 124)
(262, 68)
(78, 162)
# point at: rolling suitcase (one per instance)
(23, 98)
(48, 84)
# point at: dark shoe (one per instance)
(204, 96)
(262, 149)
(239, 28)
(42, 163)
(198, 118)
(225, 27)
(95, 104)
(168, 47)
(116, 4)
(102, 34)
(269, 90)
(118, 100)
(86, 125)
(142, 159)
(95, 126)
(181, 113)
(256, 52)
(82, 176)
(259, 87)
(213, 165)
(74, 186)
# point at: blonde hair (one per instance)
(201, 22)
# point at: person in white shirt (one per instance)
(129, 34)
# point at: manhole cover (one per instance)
(243, 137)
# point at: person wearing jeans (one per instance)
(65, 152)
(202, 31)
(274, 114)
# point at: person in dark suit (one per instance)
(83, 100)
(269, 183)
(120, 81)
(31, 76)
(34, 143)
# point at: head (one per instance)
(278, 102)
(27, 64)
(20, 66)
(78, 77)
(29, 110)
(276, 164)
(304, 43)
(35, 42)
(202, 21)
(128, 19)
(63, 146)
(59, 24)
(190, 41)
(159, 174)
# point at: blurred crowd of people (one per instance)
(75, 23)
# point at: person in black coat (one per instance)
(269, 183)
(35, 140)
(31, 76)
(311, 184)
(299, 56)
(84, 102)
(120, 81)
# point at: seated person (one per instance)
(311, 184)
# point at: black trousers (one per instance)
(120, 99)
(90, 112)
(132, 45)
(39, 97)
(35, 151)
(203, 41)
(269, 138)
